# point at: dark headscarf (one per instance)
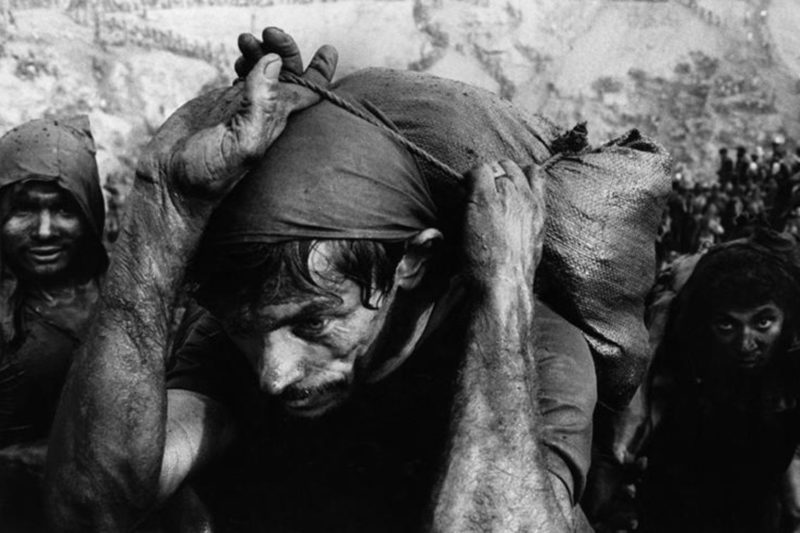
(61, 151)
(330, 175)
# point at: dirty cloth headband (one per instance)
(330, 175)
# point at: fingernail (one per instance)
(273, 66)
(271, 58)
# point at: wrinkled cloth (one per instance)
(604, 205)
(372, 464)
(330, 175)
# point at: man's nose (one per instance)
(45, 226)
(282, 362)
(749, 341)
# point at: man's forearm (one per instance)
(495, 477)
(108, 439)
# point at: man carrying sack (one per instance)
(371, 356)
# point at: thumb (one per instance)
(259, 108)
(268, 102)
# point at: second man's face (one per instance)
(42, 231)
(749, 337)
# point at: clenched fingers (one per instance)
(320, 70)
(488, 180)
(480, 183)
(214, 159)
(276, 41)
(251, 53)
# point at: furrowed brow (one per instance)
(326, 306)
(317, 307)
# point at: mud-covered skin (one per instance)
(42, 234)
(494, 478)
(108, 443)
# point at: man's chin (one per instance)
(46, 270)
(309, 411)
(313, 407)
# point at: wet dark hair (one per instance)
(249, 272)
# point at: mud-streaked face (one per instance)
(42, 231)
(308, 351)
(748, 337)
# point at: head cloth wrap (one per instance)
(330, 175)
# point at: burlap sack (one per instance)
(604, 208)
(604, 205)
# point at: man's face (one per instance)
(748, 337)
(309, 350)
(42, 231)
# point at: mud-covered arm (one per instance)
(495, 476)
(118, 445)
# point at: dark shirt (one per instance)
(371, 465)
(715, 466)
(33, 368)
(34, 365)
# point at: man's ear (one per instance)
(420, 250)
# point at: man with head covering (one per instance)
(52, 258)
(349, 377)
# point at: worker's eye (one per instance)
(311, 327)
(724, 326)
(23, 211)
(64, 211)
(764, 323)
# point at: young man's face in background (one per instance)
(42, 231)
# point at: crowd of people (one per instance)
(123, 32)
(381, 330)
(752, 187)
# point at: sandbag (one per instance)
(603, 205)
